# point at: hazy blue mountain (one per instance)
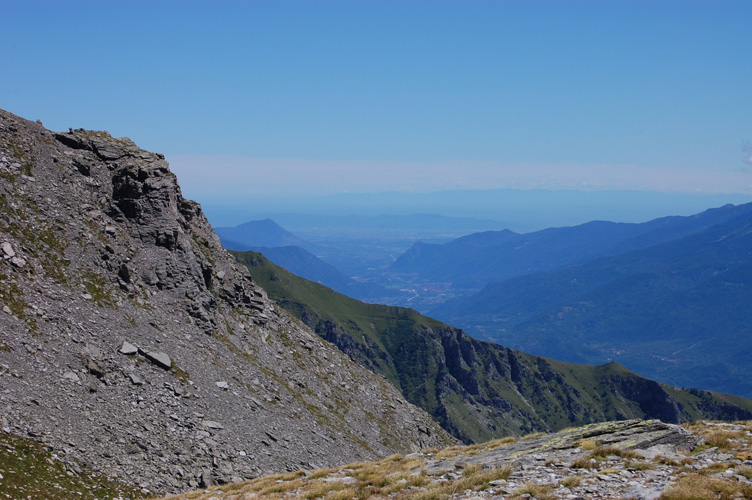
(678, 312)
(258, 233)
(475, 260)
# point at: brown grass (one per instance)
(584, 463)
(318, 489)
(533, 435)
(539, 491)
(607, 451)
(475, 449)
(640, 465)
(723, 439)
(571, 481)
(587, 444)
(697, 487)
(661, 459)
(473, 478)
(345, 494)
(744, 471)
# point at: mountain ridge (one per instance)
(132, 342)
(479, 390)
(675, 310)
(473, 261)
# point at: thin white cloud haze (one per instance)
(220, 177)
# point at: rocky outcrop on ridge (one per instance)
(134, 344)
(632, 459)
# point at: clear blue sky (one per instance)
(346, 96)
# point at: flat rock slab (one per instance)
(563, 446)
(127, 348)
(160, 359)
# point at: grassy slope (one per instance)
(479, 390)
(27, 470)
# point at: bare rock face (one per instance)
(120, 313)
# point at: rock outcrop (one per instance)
(635, 459)
(134, 344)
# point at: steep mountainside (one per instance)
(303, 263)
(480, 390)
(134, 343)
(473, 261)
(677, 312)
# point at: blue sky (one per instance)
(265, 97)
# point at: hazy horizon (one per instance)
(518, 210)
(291, 100)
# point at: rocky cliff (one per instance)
(134, 344)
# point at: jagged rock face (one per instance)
(133, 343)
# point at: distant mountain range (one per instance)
(476, 260)
(677, 310)
(479, 390)
(667, 298)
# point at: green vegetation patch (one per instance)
(98, 288)
(12, 296)
(31, 472)
(179, 373)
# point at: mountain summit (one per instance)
(133, 343)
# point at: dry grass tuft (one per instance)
(607, 451)
(533, 435)
(319, 473)
(697, 487)
(345, 494)
(474, 449)
(539, 491)
(744, 471)
(587, 444)
(723, 439)
(319, 489)
(664, 460)
(571, 481)
(584, 463)
(640, 465)
(450, 452)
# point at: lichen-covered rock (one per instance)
(115, 259)
(564, 445)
